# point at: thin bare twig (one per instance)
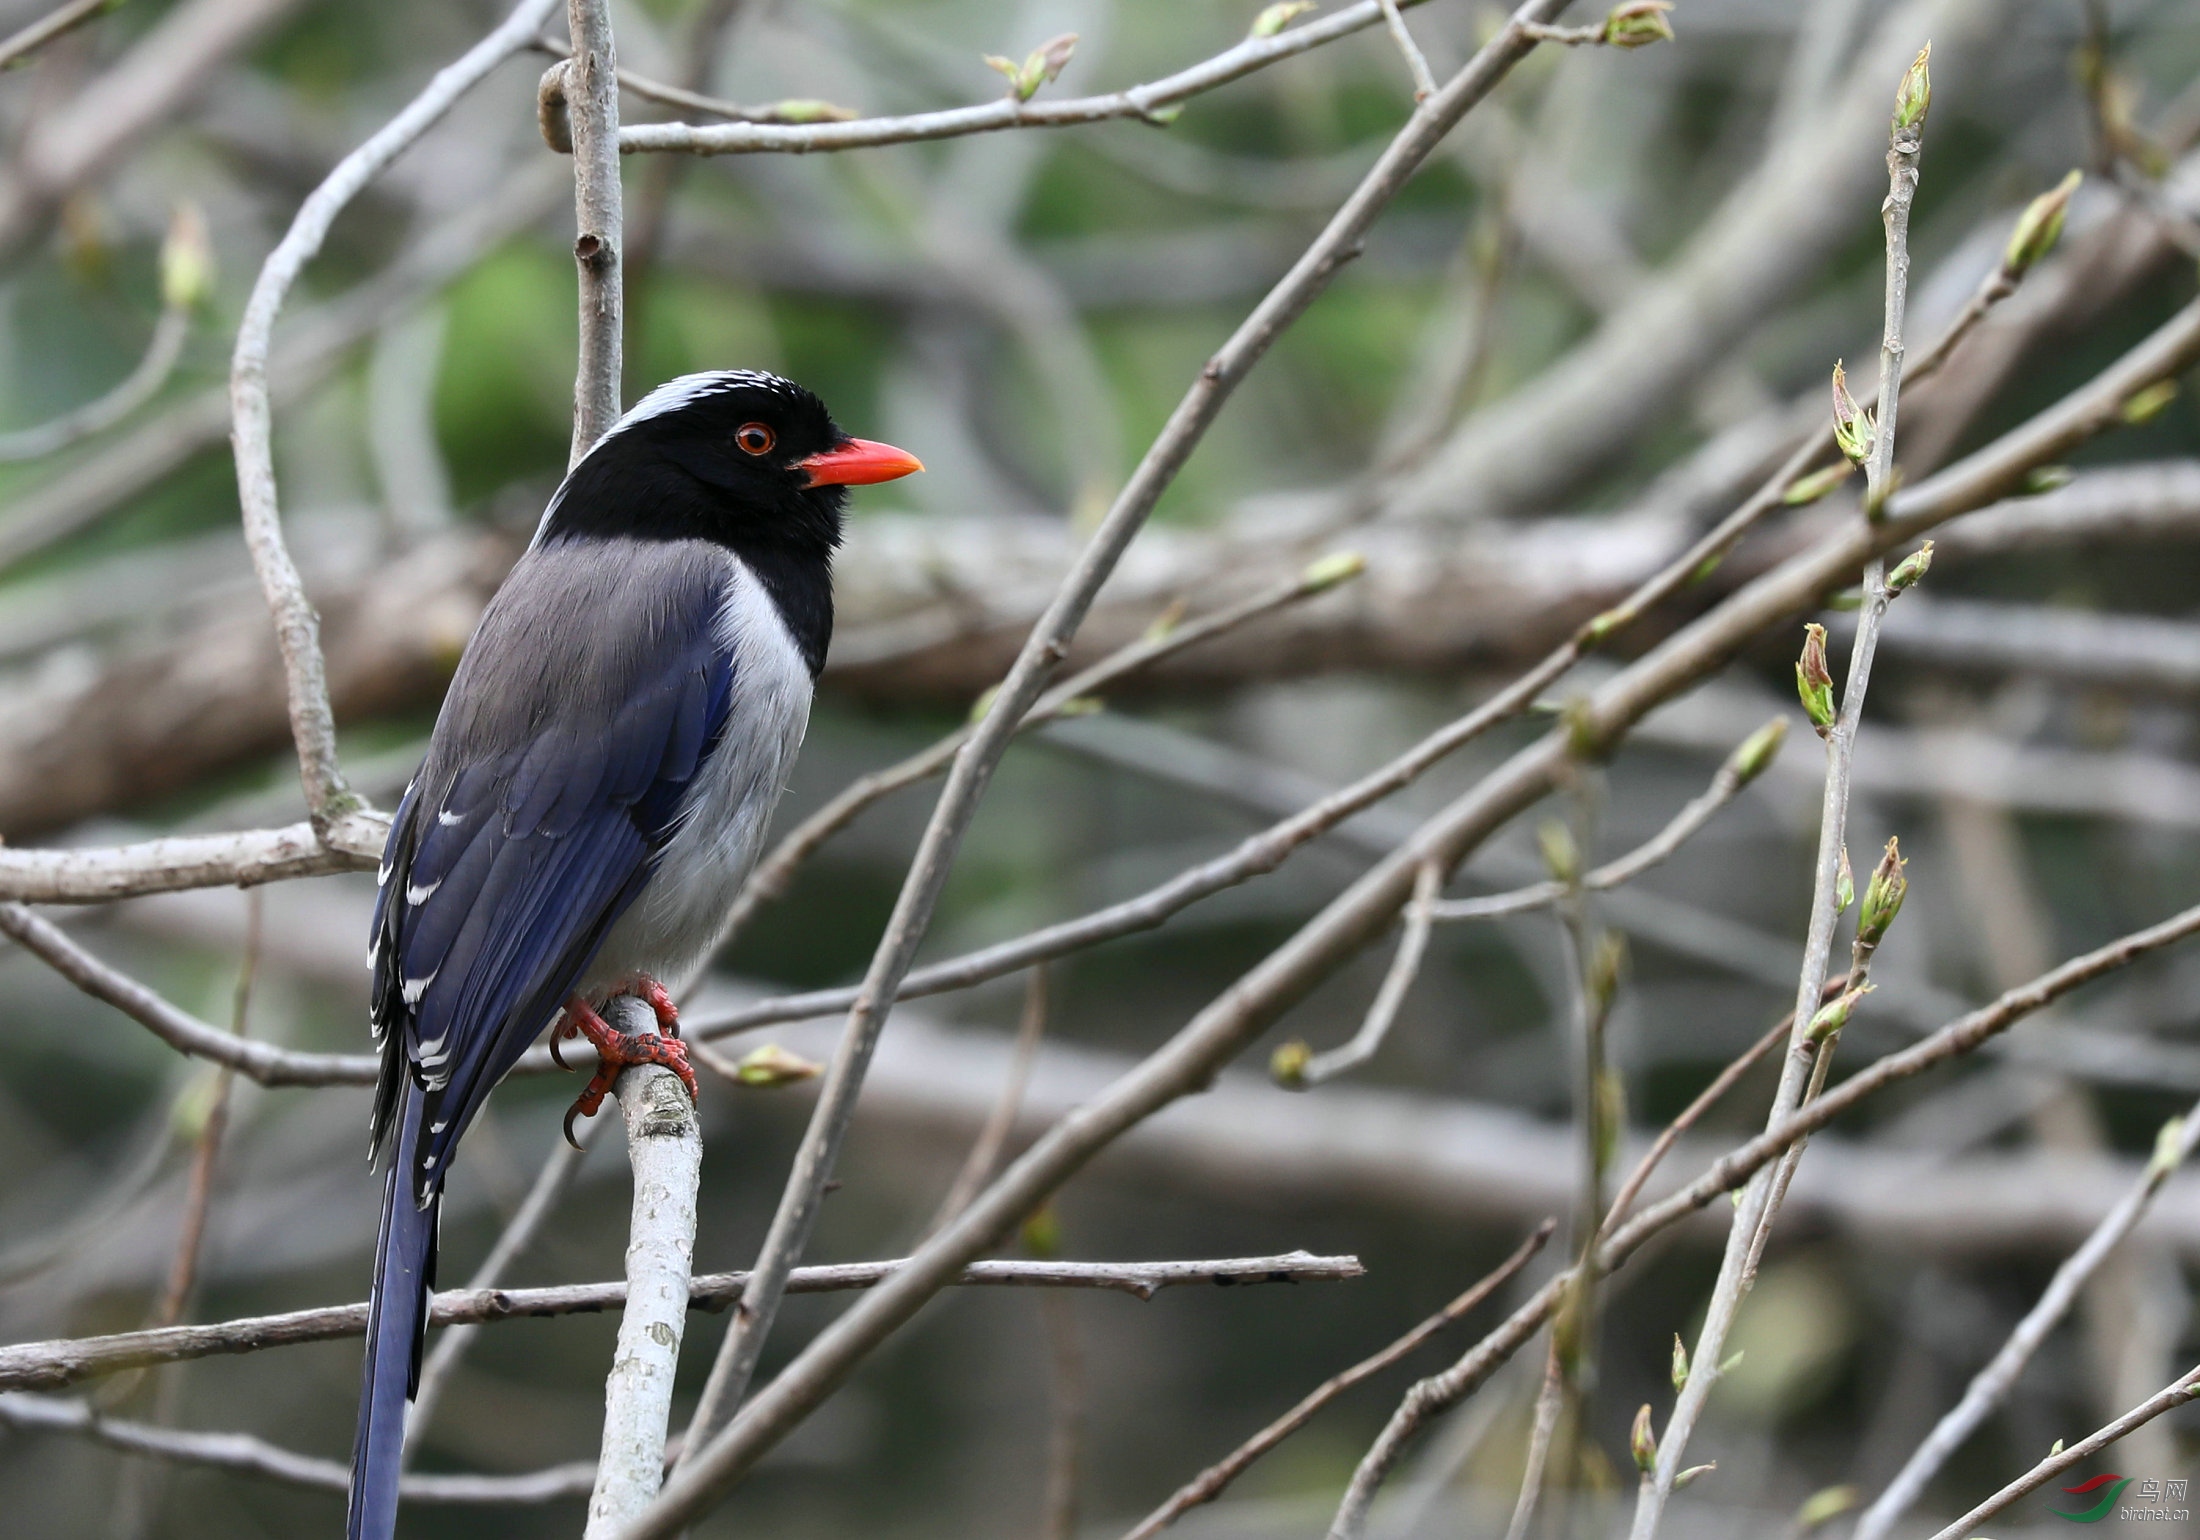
(1424, 83)
(297, 627)
(1992, 1384)
(243, 1454)
(1210, 1483)
(1149, 101)
(1803, 1071)
(142, 383)
(712, 1460)
(2170, 1398)
(51, 1365)
(55, 23)
(1299, 1073)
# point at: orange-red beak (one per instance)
(859, 463)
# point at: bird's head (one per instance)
(737, 456)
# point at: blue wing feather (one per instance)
(518, 850)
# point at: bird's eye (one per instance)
(754, 438)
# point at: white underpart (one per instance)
(670, 397)
(728, 808)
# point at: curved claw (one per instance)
(571, 1113)
(558, 1058)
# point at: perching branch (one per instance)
(51, 1365)
(711, 1460)
(664, 1142)
(297, 627)
(72, 875)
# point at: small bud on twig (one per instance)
(1287, 1065)
(1805, 490)
(1824, 1506)
(1692, 1473)
(1644, 1441)
(1606, 963)
(2058, 1449)
(186, 261)
(2167, 1154)
(1278, 16)
(1042, 1233)
(1844, 884)
(1813, 681)
(1911, 569)
(809, 109)
(1758, 751)
(2046, 478)
(1914, 97)
(1041, 66)
(1327, 572)
(1853, 433)
(1680, 1363)
(1829, 1021)
(1637, 24)
(1163, 625)
(2150, 403)
(1561, 857)
(1882, 898)
(771, 1066)
(2039, 227)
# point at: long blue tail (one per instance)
(404, 1271)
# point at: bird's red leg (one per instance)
(615, 1050)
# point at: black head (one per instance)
(744, 459)
(737, 456)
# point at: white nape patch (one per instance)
(670, 397)
(417, 895)
(413, 989)
(449, 820)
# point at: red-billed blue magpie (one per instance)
(595, 792)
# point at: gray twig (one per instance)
(1992, 1384)
(297, 627)
(55, 23)
(51, 1365)
(96, 416)
(246, 1455)
(1149, 101)
(665, 1144)
(2169, 1399)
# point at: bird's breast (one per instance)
(728, 806)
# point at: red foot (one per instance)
(615, 1050)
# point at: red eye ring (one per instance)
(755, 438)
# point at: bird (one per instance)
(606, 761)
